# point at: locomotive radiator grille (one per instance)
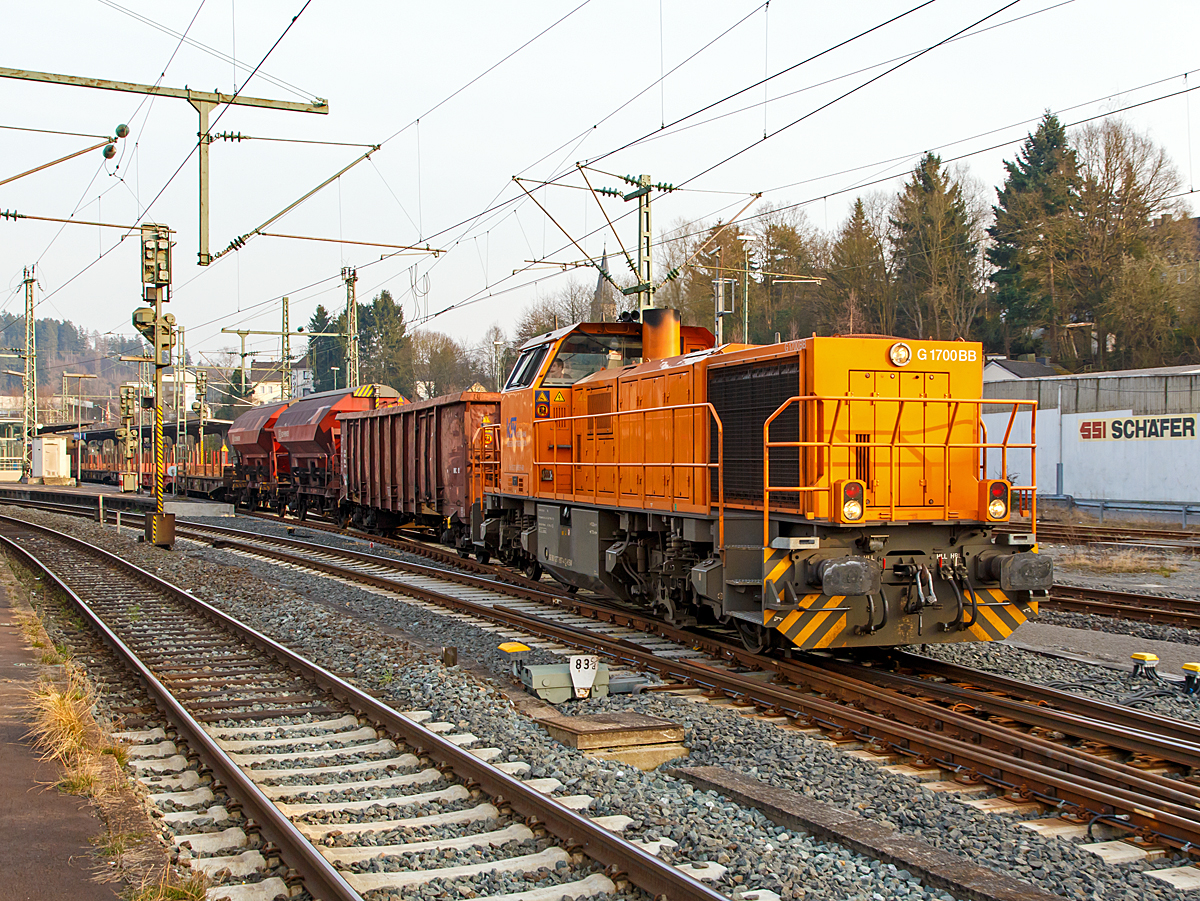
(744, 397)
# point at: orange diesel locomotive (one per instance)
(822, 493)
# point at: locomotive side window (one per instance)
(526, 367)
(581, 355)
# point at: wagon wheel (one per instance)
(756, 638)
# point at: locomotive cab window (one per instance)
(582, 354)
(526, 367)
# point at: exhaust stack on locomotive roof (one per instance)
(660, 333)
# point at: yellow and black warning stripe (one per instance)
(998, 615)
(816, 623)
(777, 569)
(365, 391)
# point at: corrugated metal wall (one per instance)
(1143, 394)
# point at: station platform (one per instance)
(47, 846)
(88, 495)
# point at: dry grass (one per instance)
(64, 732)
(62, 722)
(1126, 561)
(170, 887)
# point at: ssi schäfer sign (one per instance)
(1139, 428)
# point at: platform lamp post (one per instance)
(335, 370)
(78, 418)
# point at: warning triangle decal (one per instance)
(558, 398)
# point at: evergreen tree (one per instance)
(1030, 237)
(386, 356)
(860, 296)
(322, 351)
(937, 254)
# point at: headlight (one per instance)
(997, 509)
(900, 354)
(852, 510)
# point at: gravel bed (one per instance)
(362, 544)
(380, 813)
(1100, 682)
(322, 619)
(1092, 623)
(489, 884)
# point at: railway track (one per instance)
(1174, 540)
(1099, 762)
(1089, 761)
(305, 755)
(1145, 608)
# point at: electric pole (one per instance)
(350, 277)
(180, 403)
(204, 103)
(285, 335)
(159, 329)
(29, 413)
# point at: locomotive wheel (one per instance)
(483, 556)
(757, 639)
(464, 552)
(533, 570)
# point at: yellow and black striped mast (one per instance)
(159, 329)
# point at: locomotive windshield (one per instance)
(581, 355)
(526, 367)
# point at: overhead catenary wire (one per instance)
(195, 146)
(854, 90)
(492, 207)
(781, 72)
(212, 51)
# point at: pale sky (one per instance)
(586, 87)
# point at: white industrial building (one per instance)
(1107, 436)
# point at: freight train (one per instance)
(830, 492)
(288, 453)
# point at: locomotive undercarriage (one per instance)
(816, 585)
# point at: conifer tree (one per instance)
(1031, 236)
(859, 291)
(936, 254)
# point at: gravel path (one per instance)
(393, 659)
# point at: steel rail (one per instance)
(320, 877)
(1145, 608)
(1141, 735)
(1125, 716)
(1146, 738)
(705, 675)
(931, 734)
(1148, 743)
(575, 830)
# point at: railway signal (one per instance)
(159, 330)
(126, 436)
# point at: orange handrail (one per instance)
(488, 464)
(826, 447)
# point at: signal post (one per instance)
(159, 330)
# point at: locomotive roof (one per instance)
(591, 328)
